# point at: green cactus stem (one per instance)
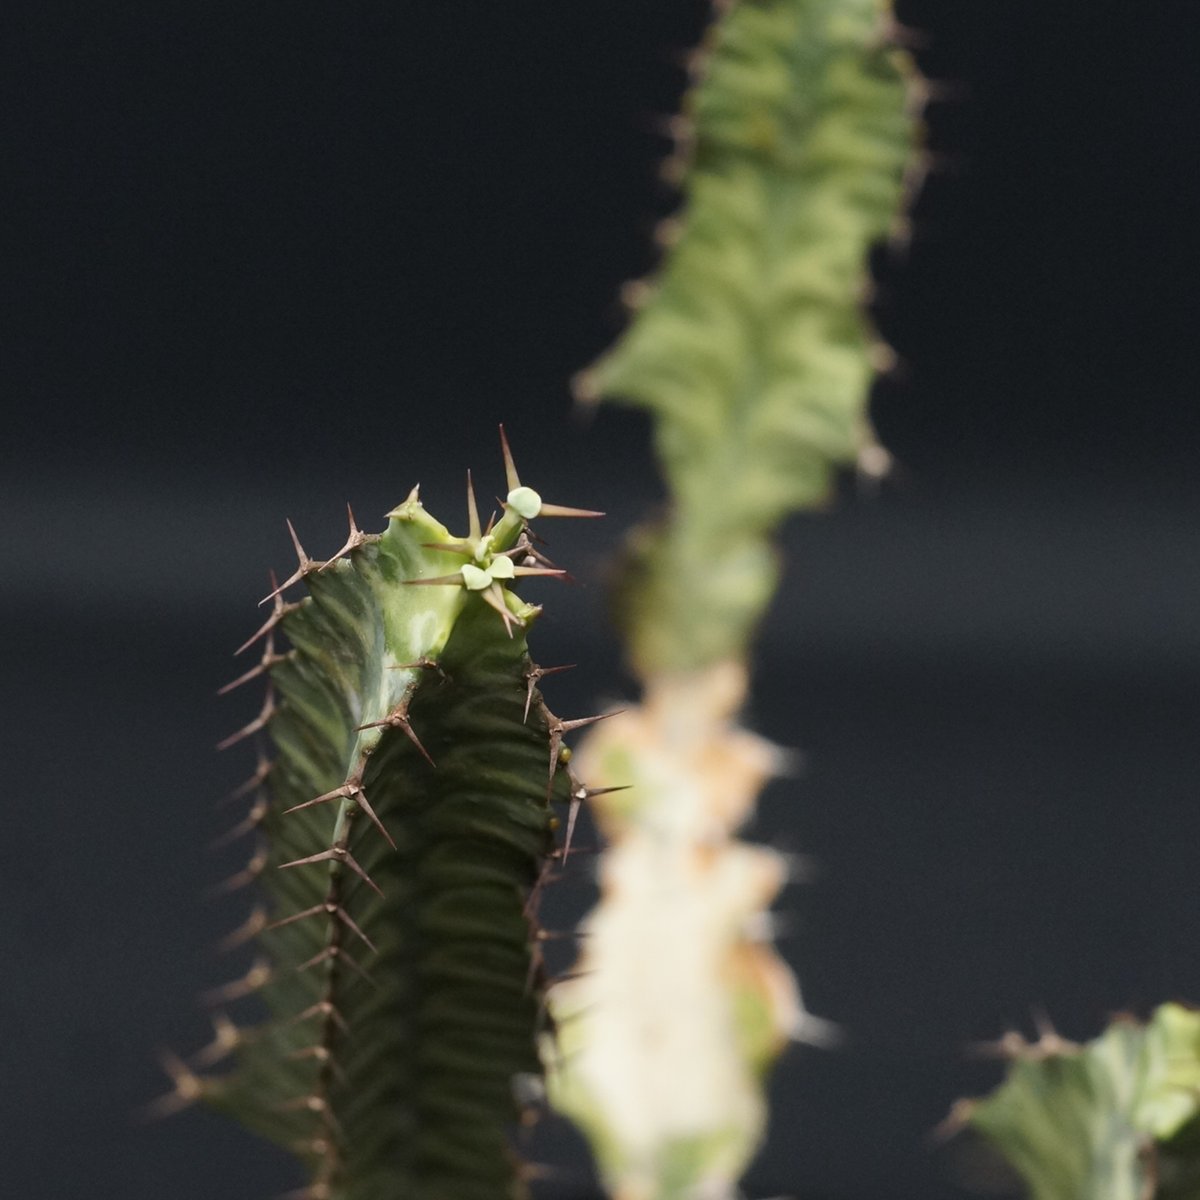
(403, 828)
(749, 347)
(1115, 1119)
(749, 350)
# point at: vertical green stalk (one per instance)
(749, 350)
(402, 830)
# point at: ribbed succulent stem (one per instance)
(404, 826)
(749, 350)
(1115, 1119)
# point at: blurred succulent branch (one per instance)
(1115, 1119)
(749, 350)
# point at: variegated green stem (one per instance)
(1116, 1119)
(749, 350)
(749, 346)
(405, 825)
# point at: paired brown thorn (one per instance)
(338, 793)
(579, 795)
(525, 550)
(493, 597)
(534, 676)
(328, 908)
(514, 482)
(326, 1011)
(318, 1104)
(226, 1038)
(252, 820)
(261, 771)
(249, 929)
(260, 722)
(398, 719)
(280, 611)
(587, 793)
(1013, 1045)
(254, 979)
(529, 560)
(306, 566)
(424, 663)
(558, 728)
(339, 954)
(268, 660)
(248, 874)
(186, 1088)
(352, 789)
(354, 539)
(336, 854)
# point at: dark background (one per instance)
(260, 259)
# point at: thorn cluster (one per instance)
(489, 565)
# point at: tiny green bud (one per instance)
(475, 579)
(525, 501)
(501, 568)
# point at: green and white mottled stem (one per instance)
(1115, 1119)
(749, 350)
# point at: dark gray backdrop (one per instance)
(260, 259)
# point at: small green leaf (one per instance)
(525, 501)
(475, 578)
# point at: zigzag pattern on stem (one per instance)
(399, 955)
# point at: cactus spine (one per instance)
(1116, 1119)
(404, 826)
(749, 350)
